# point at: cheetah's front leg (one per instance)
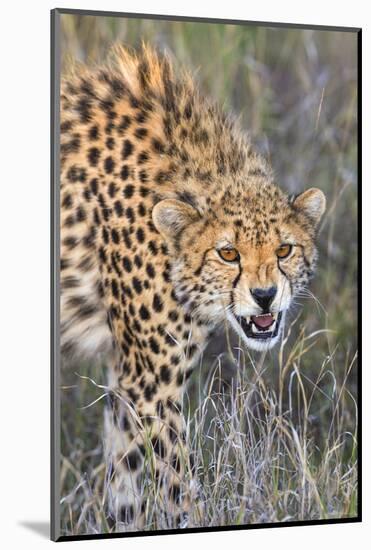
(148, 466)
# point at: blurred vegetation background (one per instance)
(295, 92)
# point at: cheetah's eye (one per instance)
(283, 251)
(229, 254)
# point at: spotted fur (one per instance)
(155, 179)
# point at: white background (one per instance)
(24, 269)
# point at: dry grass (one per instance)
(273, 437)
(261, 454)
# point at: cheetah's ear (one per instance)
(171, 217)
(312, 203)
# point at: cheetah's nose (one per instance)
(264, 297)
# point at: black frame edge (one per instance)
(224, 528)
(54, 287)
(191, 19)
(359, 261)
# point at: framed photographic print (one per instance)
(206, 203)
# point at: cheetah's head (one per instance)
(243, 258)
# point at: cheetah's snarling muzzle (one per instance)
(261, 327)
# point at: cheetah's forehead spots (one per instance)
(252, 216)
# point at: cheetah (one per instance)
(171, 224)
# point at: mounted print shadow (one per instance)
(205, 288)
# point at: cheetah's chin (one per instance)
(258, 332)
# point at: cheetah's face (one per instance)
(244, 268)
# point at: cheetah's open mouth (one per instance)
(262, 326)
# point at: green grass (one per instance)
(273, 437)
